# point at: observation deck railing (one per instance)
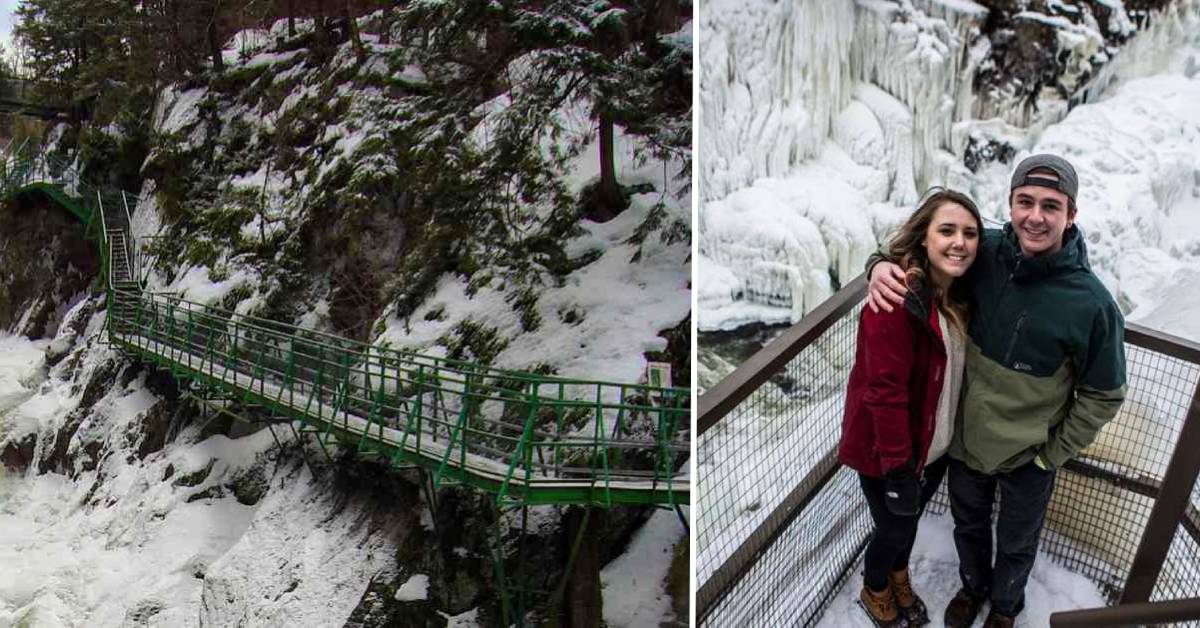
(782, 524)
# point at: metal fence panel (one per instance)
(780, 526)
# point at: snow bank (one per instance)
(415, 588)
(634, 592)
(623, 304)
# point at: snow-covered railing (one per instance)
(776, 507)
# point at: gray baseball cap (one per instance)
(1068, 181)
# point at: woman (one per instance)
(903, 393)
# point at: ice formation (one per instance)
(773, 77)
(890, 110)
(820, 117)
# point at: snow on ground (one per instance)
(605, 316)
(415, 588)
(934, 568)
(595, 326)
(469, 619)
(634, 591)
(129, 543)
(621, 307)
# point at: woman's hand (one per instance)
(902, 491)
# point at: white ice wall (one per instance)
(818, 120)
(924, 55)
(773, 76)
(836, 116)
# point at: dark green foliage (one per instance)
(671, 230)
(524, 301)
(473, 341)
(571, 315)
(497, 213)
(571, 52)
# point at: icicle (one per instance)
(772, 80)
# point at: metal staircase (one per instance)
(527, 439)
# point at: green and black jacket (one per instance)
(1046, 362)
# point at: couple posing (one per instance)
(988, 356)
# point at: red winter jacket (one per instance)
(892, 396)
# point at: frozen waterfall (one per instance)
(822, 122)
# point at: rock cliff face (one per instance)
(46, 265)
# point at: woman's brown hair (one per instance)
(906, 246)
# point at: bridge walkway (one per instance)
(528, 439)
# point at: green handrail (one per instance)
(494, 429)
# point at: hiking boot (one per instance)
(881, 607)
(997, 620)
(910, 604)
(962, 610)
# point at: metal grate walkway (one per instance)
(526, 438)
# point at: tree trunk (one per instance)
(360, 52)
(610, 193)
(291, 11)
(385, 36)
(214, 46)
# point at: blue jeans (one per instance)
(1024, 495)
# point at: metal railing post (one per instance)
(1139, 614)
(1168, 509)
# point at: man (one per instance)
(1045, 370)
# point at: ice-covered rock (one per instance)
(918, 84)
(773, 77)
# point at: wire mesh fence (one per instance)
(782, 525)
(778, 444)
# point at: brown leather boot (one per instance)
(881, 607)
(962, 610)
(997, 620)
(911, 606)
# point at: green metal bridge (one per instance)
(527, 439)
